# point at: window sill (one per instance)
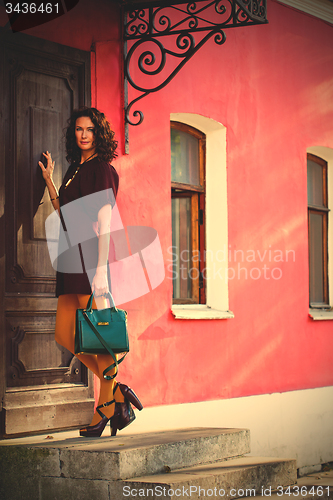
(199, 311)
(320, 314)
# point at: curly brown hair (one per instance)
(104, 136)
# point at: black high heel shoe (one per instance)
(124, 414)
(96, 430)
(130, 395)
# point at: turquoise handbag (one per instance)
(102, 331)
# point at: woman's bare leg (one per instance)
(64, 335)
(106, 386)
(65, 327)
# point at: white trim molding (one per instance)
(199, 311)
(320, 314)
(323, 9)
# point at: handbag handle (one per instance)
(109, 350)
(89, 303)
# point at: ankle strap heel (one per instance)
(96, 430)
(103, 406)
(131, 396)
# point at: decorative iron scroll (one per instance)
(157, 34)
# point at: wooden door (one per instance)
(43, 386)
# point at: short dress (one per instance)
(94, 176)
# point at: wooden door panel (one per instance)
(43, 92)
(41, 102)
(43, 82)
(33, 356)
(42, 119)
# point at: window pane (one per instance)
(316, 255)
(184, 158)
(182, 251)
(315, 184)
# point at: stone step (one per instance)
(235, 478)
(317, 486)
(43, 459)
(311, 493)
(314, 492)
(231, 479)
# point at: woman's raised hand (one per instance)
(47, 171)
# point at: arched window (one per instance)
(212, 223)
(318, 230)
(188, 213)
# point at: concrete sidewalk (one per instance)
(324, 478)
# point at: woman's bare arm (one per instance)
(100, 283)
(47, 173)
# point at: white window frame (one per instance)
(327, 155)
(216, 275)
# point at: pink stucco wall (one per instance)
(271, 86)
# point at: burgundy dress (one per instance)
(94, 176)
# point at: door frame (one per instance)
(62, 397)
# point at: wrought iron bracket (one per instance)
(160, 39)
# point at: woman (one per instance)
(90, 147)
